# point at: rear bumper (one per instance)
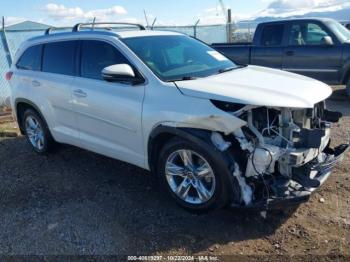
(299, 194)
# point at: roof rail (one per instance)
(77, 27)
(48, 31)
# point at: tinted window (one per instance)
(59, 57)
(306, 34)
(96, 55)
(178, 57)
(272, 35)
(31, 59)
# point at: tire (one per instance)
(37, 133)
(348, 88)
(217, 182)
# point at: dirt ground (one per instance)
(76, 202)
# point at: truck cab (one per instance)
(318, 48)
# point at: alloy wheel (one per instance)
(35, 132)
(190, 176)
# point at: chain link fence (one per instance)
(209, 34)
(4, 66)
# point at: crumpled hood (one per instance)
(260, 86)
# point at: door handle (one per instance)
(79, 93)
(36, 83)
(290, 53)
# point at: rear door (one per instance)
(307, 55)
(269, 52)
(54, 85)
(45, 73)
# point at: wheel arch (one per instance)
(161, 134)
(21, 104)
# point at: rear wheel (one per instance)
(37, 132)
(195, 175)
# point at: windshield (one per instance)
(339, 30)
(178, 57)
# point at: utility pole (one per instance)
(223, 9)
(195, 28)
(229, 26)
(5, 43)
(228, 20)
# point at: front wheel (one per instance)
(195, 175)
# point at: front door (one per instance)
(108, 113)
(307, 55)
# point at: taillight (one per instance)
(8, 76)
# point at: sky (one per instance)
(167, 12)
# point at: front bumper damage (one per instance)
(301, 189)
(284, 155)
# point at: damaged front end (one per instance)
(284, 153)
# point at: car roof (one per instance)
(118, 34)
(66, 36)
(142, 33)
(298, 19)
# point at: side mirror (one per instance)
(120, 73)
(327, 41)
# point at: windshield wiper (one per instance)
(230, 68)
(185, 78)
(226, 69)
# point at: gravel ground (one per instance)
(75, 202)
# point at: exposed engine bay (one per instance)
(284, 153)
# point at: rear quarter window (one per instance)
(272, 35)
(59, 57)
(31, 59)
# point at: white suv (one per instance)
(216, 133)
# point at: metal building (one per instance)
(11, 37)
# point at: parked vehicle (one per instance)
(346, 24)
(215, 133)
(318, 48)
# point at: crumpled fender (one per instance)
(224, 123)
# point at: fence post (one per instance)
(5, 43)
(195, 28)
(229, 26)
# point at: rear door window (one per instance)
(272, 35)
(31, 59)
(96, 55)
(59, 57)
